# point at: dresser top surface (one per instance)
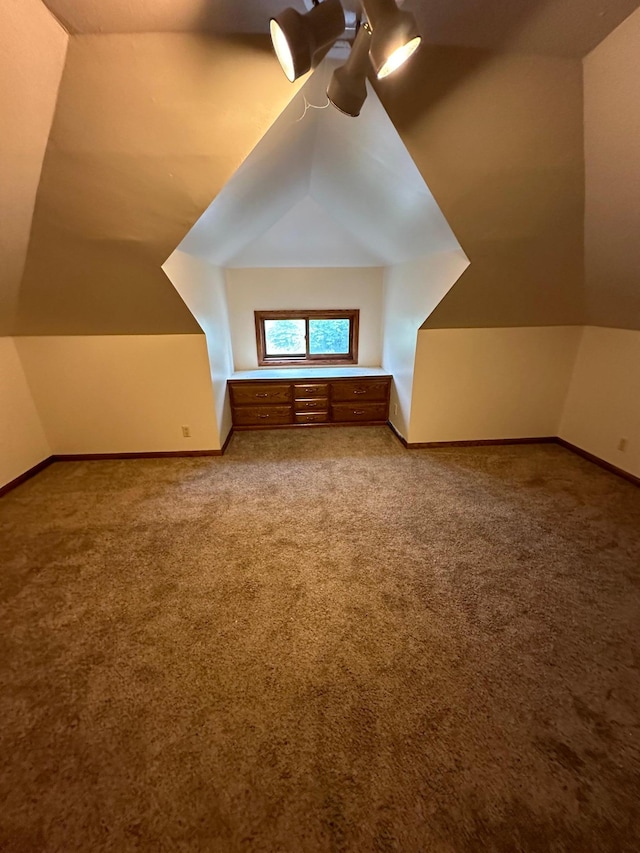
(293, 373)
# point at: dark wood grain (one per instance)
(252, 393)
(329, 401)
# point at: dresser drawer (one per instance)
(369, 389)
(260, 392)
(319, 404)
(353, 412)
(311, 417)
(261, 415)
(311, 389)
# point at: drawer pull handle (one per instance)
(359, 390)
(358, 411)
(263, 395)
(263, 417)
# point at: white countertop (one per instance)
(309, 373)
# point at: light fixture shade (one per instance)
(347, 88)
(395, 36)
(296, 38)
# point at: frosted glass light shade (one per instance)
(399, 57)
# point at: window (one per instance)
(307, 337)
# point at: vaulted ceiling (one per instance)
(321, 189)
(558, 27)
(32, 55)
(150, 126)
(147, 130)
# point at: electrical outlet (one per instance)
(395, 408)
(622, 444)
(186, 432)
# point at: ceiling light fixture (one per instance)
(297, 38)
(385, 42)
(347, 88)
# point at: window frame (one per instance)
(351, 314)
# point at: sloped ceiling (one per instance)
(355, 191)
(32, 51)
(612, 208)
(558, 27)
(147, 130)
(499, 141)
(150, 127)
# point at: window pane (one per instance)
(284, 337)
(329, 337)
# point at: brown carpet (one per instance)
(321, 642)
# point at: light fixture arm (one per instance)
(347, 89)
(358, 60)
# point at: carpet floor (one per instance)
(321, 642)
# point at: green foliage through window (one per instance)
(329, 336)
(285, 337)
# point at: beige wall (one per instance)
(411, 292)
(147, 130)
(603, 404)
(32, 51)
(202, 287)
(23, 442)
(121, 394)
(491, 383)
(499, 141)
(250, 290)
(612, 154)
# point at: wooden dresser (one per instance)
(267, 403)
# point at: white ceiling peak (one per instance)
(317, 173)
(306, 236)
